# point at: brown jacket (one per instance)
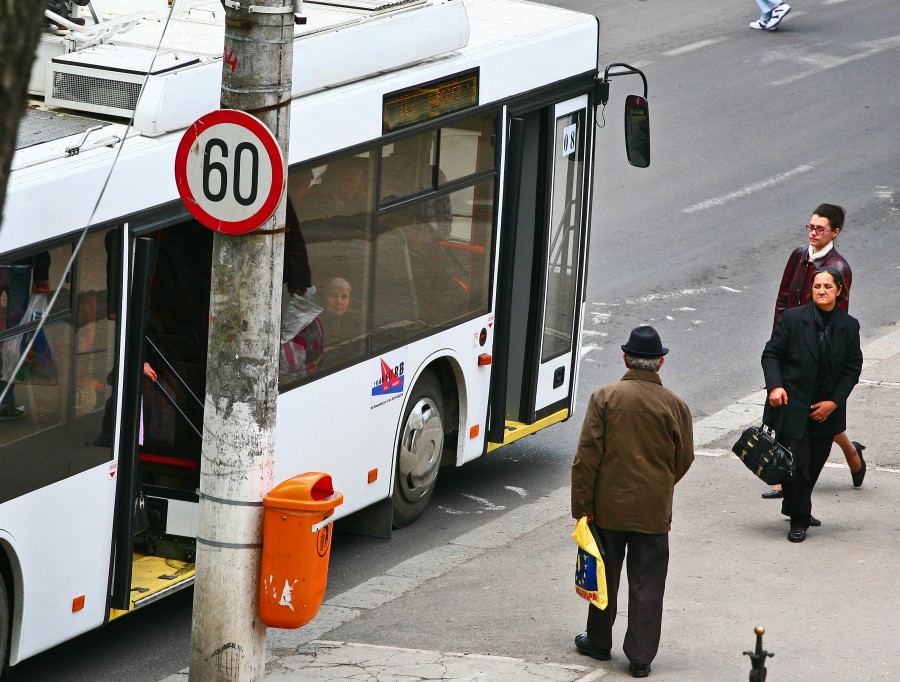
(636, 443)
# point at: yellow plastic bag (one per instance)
(590, 576)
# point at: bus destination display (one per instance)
(426, 102)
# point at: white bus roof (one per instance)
(345, 59)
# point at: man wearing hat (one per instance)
(636, 443)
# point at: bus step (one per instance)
(168, 546)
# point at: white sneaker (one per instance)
(779, 13)
(758, 25)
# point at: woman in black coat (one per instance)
(825, 224)
(811, 364)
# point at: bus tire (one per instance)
(4, 630)
(419, 449)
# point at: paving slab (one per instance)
(334, 661)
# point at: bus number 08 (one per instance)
(218, 168)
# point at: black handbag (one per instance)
(758, 448)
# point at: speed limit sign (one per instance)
(229, 171)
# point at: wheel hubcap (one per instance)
(420, 449)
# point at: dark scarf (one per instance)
(824, 325)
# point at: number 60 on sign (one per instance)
(229, 171)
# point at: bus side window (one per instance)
(333, 208)
(48, 424)
(467, 147)
(424, 280)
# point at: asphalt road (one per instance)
(750, 131)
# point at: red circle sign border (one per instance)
(273, 152)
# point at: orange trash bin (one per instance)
(296, 549)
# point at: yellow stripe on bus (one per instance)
(152, 577)
(516, 430)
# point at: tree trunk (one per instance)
(20, 28)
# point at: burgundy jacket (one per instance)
(796, 281)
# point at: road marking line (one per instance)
(664, 295)
(748, 190)
(822, 62)
(487, 504)
(684, 49)
(888, 384)
(588, 348)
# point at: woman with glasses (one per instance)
(811, 364)
(826, 223)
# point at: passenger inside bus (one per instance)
(18, 280)
(342, 321)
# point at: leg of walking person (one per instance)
(853, 454)
(774, 494)
(600, 622)
(819, 449)
(765, 13)
(771, 14)
(798, 490)
(647, 566)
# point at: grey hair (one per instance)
(646, 364)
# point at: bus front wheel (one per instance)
(419, 450)
(4, 631)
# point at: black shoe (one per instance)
(584, 646)
(639, 669)
(797, 535)
(813, 521)
(12, 412)
(861, 474)
(773, 494)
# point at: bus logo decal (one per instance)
(391, 380)
(388, 378)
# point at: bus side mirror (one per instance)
(637, 131)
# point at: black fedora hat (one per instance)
(644, 343)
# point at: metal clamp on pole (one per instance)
(259, 9)
(263, 9)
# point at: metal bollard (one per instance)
(758, 657)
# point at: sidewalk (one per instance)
(498, 603)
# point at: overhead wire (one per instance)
(42, 322)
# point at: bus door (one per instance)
(542, 246)
(162, 409)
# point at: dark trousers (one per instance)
(647, 565)
(811, 453)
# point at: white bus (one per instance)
(439, 181)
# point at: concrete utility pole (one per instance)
(227, 638)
